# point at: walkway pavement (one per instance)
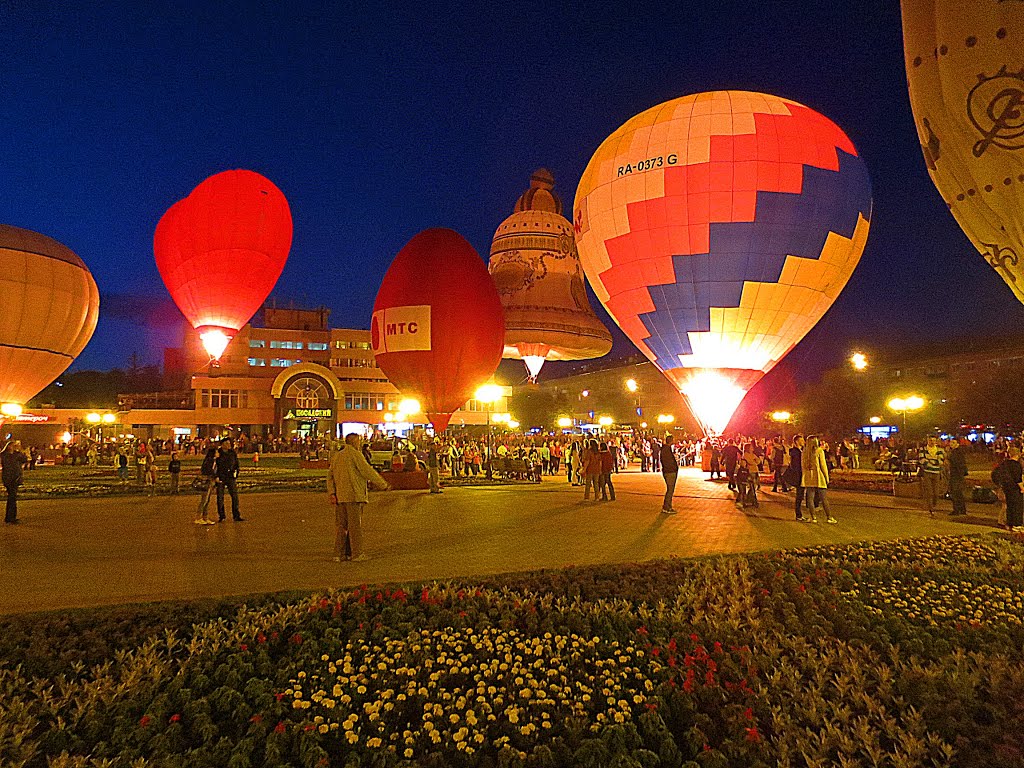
(85, 552)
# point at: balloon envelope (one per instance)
(221, 250)
(965, 67)
(717, 229)
(50, 309)
(438, 330)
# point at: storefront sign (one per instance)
(32, 418)
(309, 413)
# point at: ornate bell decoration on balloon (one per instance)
(537, 271)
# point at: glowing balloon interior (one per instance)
(965, 67)
(50, 308)
(221, 250)
(717, 229)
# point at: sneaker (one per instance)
(209, 522)
(831, 520)
(335, 559)
(361, 558)
(200, 521)
(668, 511)
(239, 519)
(814, 519)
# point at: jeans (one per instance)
(591, 481)
(232, 490)
(930, 489)
(817, 497)
(800, 493)
(204, 501)
(957, 488)
(434, 475)
(607, 489)
(670, 489)
(12, 502)
(348, 528)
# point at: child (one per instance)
(174, 468)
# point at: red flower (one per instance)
(672, 644)
(651, 706)
(145, 720)
(709, 679)
(278, 696)
(694, 638)
(279, 728)
(688, 685)
(261, 638)
(309, 727)
(655, 651)
(296, 639)
(717, 647)
(256, 718)
(175, 719)
(748, 714)
(424, 595)
(802, 588)
(642, 631)
(244, 647)
(707, 747)
(753, 735)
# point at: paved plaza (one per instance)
(85, 552)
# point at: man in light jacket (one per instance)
(347, 482)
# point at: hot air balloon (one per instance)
(50, 308)
(437, 329)
(965, 66)
(537, 270)
(221, 250)
(717, 229)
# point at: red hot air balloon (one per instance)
(438, 327)
(221, 250)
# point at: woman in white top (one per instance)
(815, 478)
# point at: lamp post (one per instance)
(605, 422)
(859, 361)
(904, 404)
(489, 394)
(633, 388)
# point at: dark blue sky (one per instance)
(378, 120)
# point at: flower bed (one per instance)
(896, 653)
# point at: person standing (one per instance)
(795, 471)
(731, 457)
(957, 459)
(434, 468)
(227, 480)
(174, 470)
(12, 468)
(347, 482)
(1008, 475)
(932, 459)
(607, 468)
(779, 466)
(815, 479)
(208, 472)
(591, 470)
(669, 471)
(142, 459)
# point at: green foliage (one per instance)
(891, 653)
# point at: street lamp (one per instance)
(489, 394)
(781, 417)
(903, 405)
(605, 422)
(859, 361)
(564, 422)
(875, 419)
(633, 388)
(10, 409)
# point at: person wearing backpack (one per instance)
(1008, 475)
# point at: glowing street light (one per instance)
(513, 424)
(666, 418)
(109, 418)
(904, 404)
(631, 385)
(489, 394)
(875, 419)
(93, 418)
(585, 393)
(564, 422)
(605, 421)
(409, 407)
(782, 417)
(643, 425)
(859, 361)
(10, 409)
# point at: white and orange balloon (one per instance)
(717, 229)
(50, 306)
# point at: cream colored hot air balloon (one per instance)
(49, 305)
(537, 271)
(965, 67)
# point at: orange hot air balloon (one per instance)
(717, 229)
(965, 67)
(50, 307)
(221, 250)
(437, 328)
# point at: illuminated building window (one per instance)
(359, 345)
(224, 398)
(257, 343)
(317, 346)
(257, 362)
(361, 401)
(278, 362)
(286, 345)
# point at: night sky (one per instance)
(379, 120)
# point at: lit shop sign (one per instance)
(310, 413)
(32, 418)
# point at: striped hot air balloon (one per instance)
(717, 229)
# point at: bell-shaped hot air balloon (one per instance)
(50, 308)
(965, 66)
(537, 270)
(717, 229)
(221, 250)
(437, 329)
